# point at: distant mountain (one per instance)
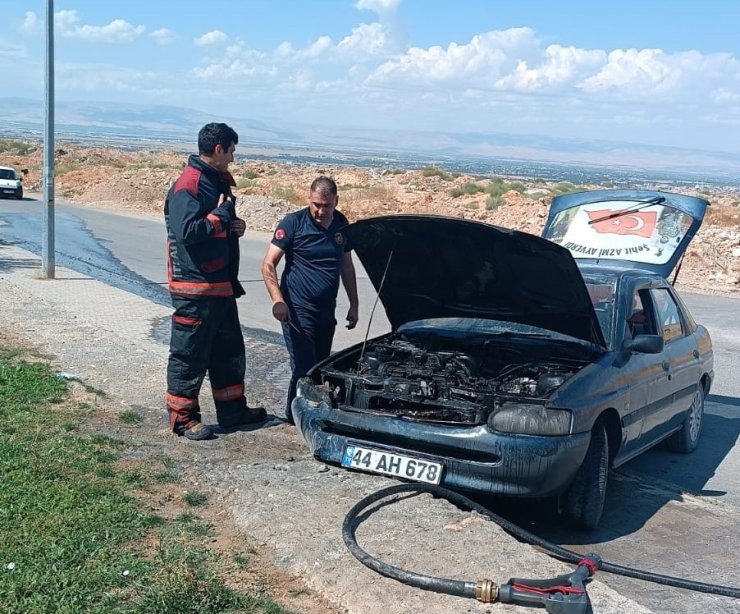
(126, 123)
(144, 122)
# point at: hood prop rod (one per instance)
(375, 304)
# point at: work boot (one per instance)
(252, 415)
(198, 432)
(246, 416)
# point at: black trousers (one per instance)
(206, 338)
(308, 338)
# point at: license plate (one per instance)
(8, 191)
(387, 463)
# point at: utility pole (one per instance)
(47, 233)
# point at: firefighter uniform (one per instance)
(309, 285)
(203, 268)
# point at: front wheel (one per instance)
(582, 504)
(686, 439)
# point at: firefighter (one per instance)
(317, 257)
(203, 234)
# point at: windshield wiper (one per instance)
(657, 200)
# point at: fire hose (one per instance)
(565, 594)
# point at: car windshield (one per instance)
(467, 327)
(6, 173)
(644, 231)
(602, 292)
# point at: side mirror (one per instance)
(646, 344)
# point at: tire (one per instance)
(19, 195)
(686, 439)
(582, 504)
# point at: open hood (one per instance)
(435, 267)
(643, 229)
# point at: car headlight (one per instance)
(530, 419)
(313, 395)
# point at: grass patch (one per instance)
(128, 416)
(195, 499)
(72, 537)
(17, 147)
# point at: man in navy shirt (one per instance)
(317, 255)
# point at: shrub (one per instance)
(494, 202)
(19, 147)
(434, 171)
(471, 188)
(245, 183)
(287, 193)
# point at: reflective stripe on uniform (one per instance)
(181, 403)
(229, 393)
(201, 288)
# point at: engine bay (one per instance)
(450, 382)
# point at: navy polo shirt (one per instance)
(313, 260)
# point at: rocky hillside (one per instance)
(138, 181)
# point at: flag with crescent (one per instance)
(624, 222)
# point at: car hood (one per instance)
(434, 267)
(642, 229)
(9, 183)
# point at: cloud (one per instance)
(12, 51)
(559, 66)
(378, 6)
(366, 39)
(91, 78)
(31, 23)
(163, 36)
(486, 59)
(214, 37)
(67, 25)
(514, 61)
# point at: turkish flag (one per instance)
(641, 223)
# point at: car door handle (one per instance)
(696, 353)
(666, 365)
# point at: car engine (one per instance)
(401, 378)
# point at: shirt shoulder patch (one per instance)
(279, 234)
(188, 181)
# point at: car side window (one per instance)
(640, 320)
(669, 319)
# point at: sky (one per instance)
(653, 72)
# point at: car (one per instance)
(519, 365)
(11, 183)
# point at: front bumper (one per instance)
(474, 458)
(11, 191)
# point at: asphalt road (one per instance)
(651, 522)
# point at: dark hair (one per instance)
(324, 185)
(214, 134)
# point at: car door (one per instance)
(682, 354)
(649, 390)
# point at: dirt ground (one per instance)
(267, 191)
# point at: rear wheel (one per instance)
(582, 504)
(686, 439)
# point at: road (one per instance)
(660, 513)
